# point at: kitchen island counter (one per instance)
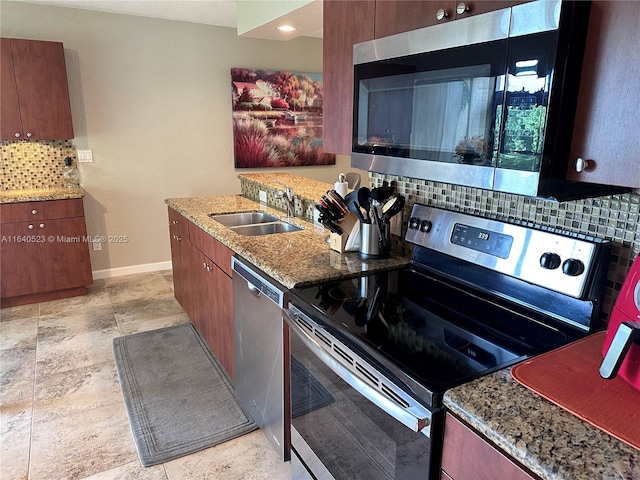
(294, 259)
(543, 437)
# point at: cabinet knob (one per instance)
(581, 164)
(17, 134)
(31, 227)
(175, 222)
(462, 8)
(29, 135)
(42, 225)
(34, 211)
(441, 14)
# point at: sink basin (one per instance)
(265, 228)
(244, 218)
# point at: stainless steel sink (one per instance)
(265, 228)
(244, 218)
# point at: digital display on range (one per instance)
(492, 243)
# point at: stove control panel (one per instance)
(558, 262)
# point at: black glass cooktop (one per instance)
(436, 331)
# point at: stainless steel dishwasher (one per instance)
(260, 337)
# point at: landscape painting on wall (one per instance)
(277, 119)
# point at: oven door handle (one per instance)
(412, 414)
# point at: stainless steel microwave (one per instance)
(487, 101)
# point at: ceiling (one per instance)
(307, 18)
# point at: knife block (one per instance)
(350, 226)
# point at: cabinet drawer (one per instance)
(465, 454)
(178, 225)
(212, 248)
(46, 210)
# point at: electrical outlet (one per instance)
(263, 196)
(97, 245)
(85, 156)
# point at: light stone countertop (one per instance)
(293, 259)
(547, 439)
(40, 194)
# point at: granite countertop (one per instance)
(547, 439)
(40, 194)
(293, 259)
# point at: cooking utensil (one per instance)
(353, 205)
(381, 193)
(364, 199)
(391, 207)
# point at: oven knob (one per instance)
(572, 267)
(414, 222)
(425, 226)
(550, 261)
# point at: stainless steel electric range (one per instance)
(378, 352)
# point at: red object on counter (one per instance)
(627, 309)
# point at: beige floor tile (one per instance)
(247, 457)
(77, 390)
(17, 374)
(23, 311)
(131, 471)
(81, 445)
(18, 332)
(96, 296)
(131, 287)
(73, 321)
(15, 431)
(148, 314)
(60, 353)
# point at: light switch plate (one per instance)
(85, 156)
(263, 196)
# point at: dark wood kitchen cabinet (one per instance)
(606, 127)
(346, 23)
(402, 16)
(34, 94)
(181, 260)
(44, 251)
(203, 285)
(465, 455)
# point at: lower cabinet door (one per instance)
(65, 253)
(21, 271)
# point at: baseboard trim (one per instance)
(130, 270)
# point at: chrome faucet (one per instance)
(288, 196)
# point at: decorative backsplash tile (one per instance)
(27, 164)
(615, 218)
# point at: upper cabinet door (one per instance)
(606, 127)
(344, 24)
(10, 121)
(43, 93)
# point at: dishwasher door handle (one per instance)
(255, 291)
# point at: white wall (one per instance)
(152, 100)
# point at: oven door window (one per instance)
(439, 106)
(351, 436)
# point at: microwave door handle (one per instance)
(625, 336)
(414, 416)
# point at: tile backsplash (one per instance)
(33, 164)
(615, 218)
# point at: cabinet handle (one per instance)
(441, 14)
(206, 266)
(462, 8)
(177, 237)
(42, 225)
(29, 134)
(582, 164)
(31, 227)
(17, 134)
(34, 211)
(175, 222)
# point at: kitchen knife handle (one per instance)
(626, 335)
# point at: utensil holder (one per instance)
(370, 244)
